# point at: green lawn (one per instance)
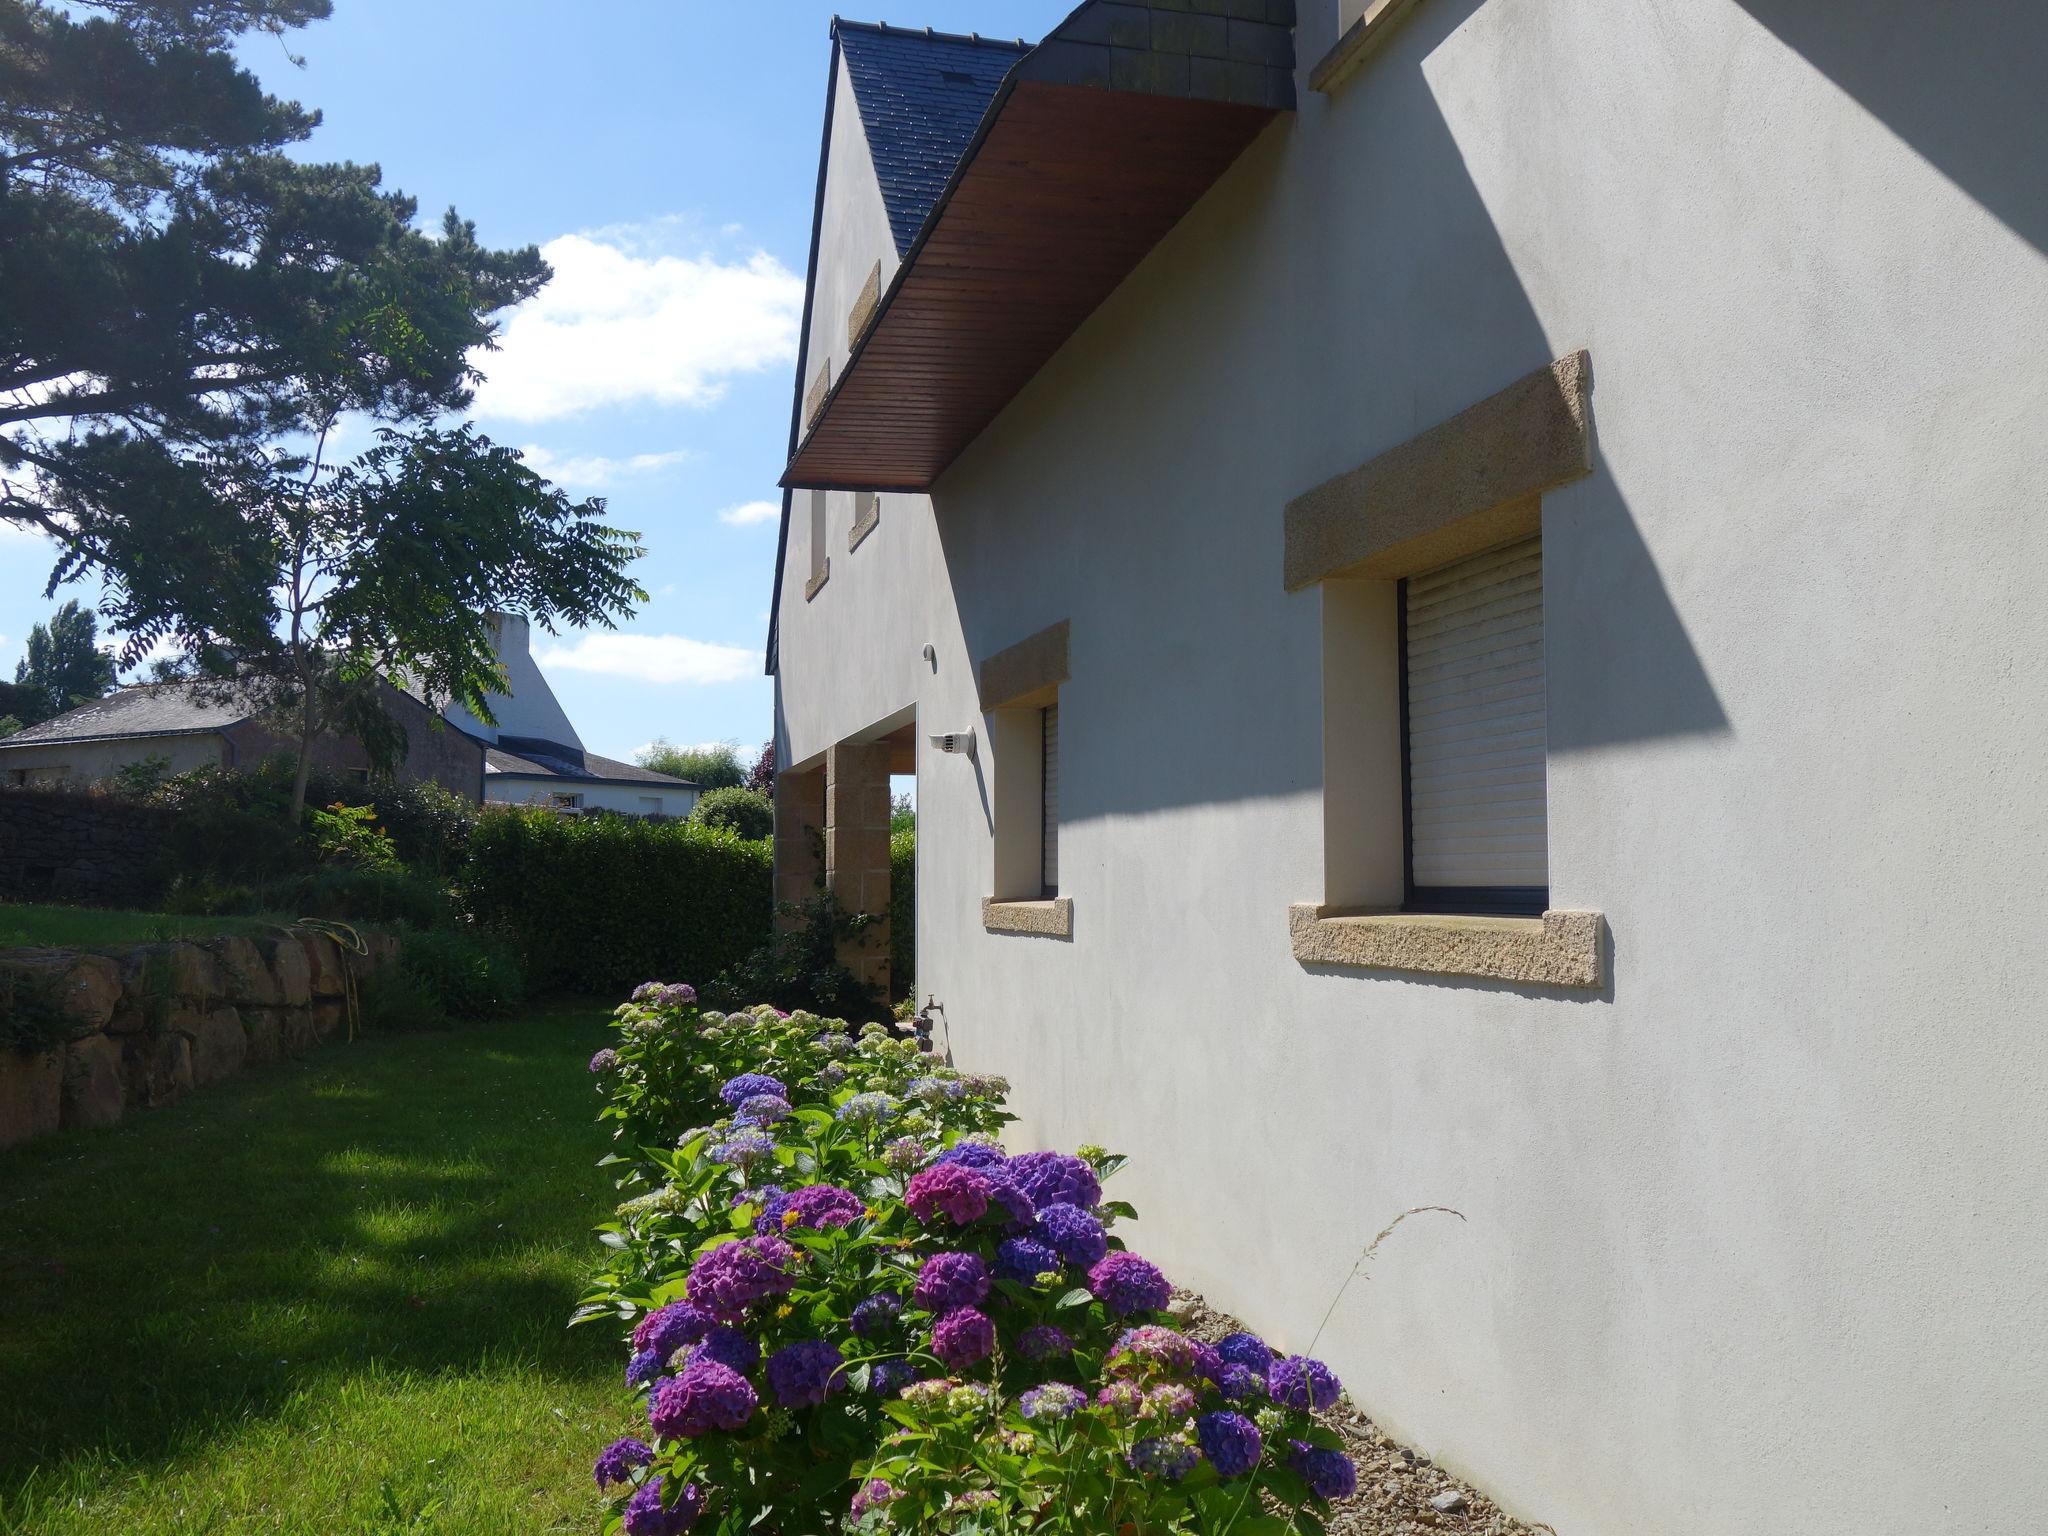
(325, 1297)
(25, 925)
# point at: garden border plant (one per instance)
(847, 1308)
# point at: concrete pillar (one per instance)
(857, 851)
(799, 838)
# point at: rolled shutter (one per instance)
(1476, 739)
(1050, 863)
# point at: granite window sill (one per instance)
(1558, 949)
(817, 582)
(1050, 919)
(1359, 42)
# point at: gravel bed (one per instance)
(1395, 1485)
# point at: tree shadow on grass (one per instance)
(415, 1205)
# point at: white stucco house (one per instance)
(1489, 556)
(533, 756)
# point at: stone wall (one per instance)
(150, 1024)
(65, 846)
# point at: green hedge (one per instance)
(903, 911)
(603, 903)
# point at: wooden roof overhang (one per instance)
(1089, 153)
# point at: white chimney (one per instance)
(527, 708)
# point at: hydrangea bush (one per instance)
(845, 1308)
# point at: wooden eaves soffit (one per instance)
(1096, 144)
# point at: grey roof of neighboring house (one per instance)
(921, 95)
(155, 709)
(522, 757)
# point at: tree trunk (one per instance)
(307, 724)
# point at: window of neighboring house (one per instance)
(650, 805)
(1473, 738)
(17, 777)
(357, 775)
(821, 564)
(1049, 816)
(56, 773)
(563, 800)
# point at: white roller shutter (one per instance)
(1475, 725)
(1050, 862)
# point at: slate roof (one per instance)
(528, 758)
(921, 95)
(156, 709)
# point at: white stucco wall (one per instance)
(1754, 1237)
(527, 707)
(629, 799)
(90, 762)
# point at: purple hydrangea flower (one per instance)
(763, 1109)
(705, 1397)
(877, 1315)
(1240, 1383)
(730, 1348)
(645, 1515)
(1125, 1283)
(667, 1329)
(947, 1189)
(738, 1090)
(1299, 1382)
(1246, 1349)
(1231, 1442)
(731, 1277)
(803, 1375)
(904, 1154)
(1074, 1234)
(962, 1338)
(971, 1154)
(831, 1075)
(616, 1462)
(1054, 1178)
(1044, 1342)
(818, 1206)
(1162, 1456)
(1005, 1191)
(1025, 1259)
(874, 1494)
(744, 1147)
(890, 1377)
(867, 1109)
(644, 1367)
(647, 991)
(950, 1280)
(1169, 1400)
(1054, 1400)
(1208, 1364)
(605, 1060)
(1329, 1474)
(1152, 1349)
(678, 994)
(1125, 1399)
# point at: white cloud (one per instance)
(592, 471)
(655, 658)
(623, 323)
(751, 512)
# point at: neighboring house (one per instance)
(533, 755)
(187, 727)
(1490, 550)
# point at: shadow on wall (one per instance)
(1383, 280)
(1962, 84)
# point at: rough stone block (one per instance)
(95, 1088)
(298, 1030)
(31, 1095)
(183, 971)
(167, 1070)
(288, 965)
(220, 1047)
(87, 987)
(245, 979)
(330, 1017)
(323, 964)
(266, 1034)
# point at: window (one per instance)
(564, 801)
(821, 564)
(1049, 804)
(1472, 735)
(650, 805)
(356, 775)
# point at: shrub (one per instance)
(32, 1016)
(716, 766)
(395, 1004)
(746, 811)
(799, 966)
(929, 1334)
(389, 897)
(595, 902)
(349, 835)
(903, 912)
(463, 973)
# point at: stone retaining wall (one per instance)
(150, 1024)
(65, 846)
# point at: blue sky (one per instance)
(664, 154)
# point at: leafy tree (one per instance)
(762, 775)
(65, 666)
(716, 766)
(180, 294)
(747, 811)
(388, 568)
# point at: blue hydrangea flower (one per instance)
(1044, 1342)
(1230, 1441)
(763, 1109)
(730, 1348)
(1245, 1349)
(1054, 1400)
(616, 1462)
(877, 1315)
(888, 1377)
(1329, 1474)
(1240, 1383)
(739, 1089)
(644, 1367)
(645, 1515)
(744, 1148)
(972, 1154)
(1161, 1456)
(1074, 1234)
(1024, 1259)
(1299, 1382)
(605, 1060)
(802, 1375)
(867, 1109)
